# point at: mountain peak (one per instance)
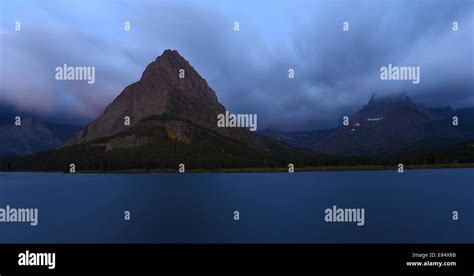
(170, 55)
(402, 97)
(172, 58)
(168, 85)
(167, 65)
(381, 106)
(384, 124)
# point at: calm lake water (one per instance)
(414, 207)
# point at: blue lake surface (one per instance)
(413, 207)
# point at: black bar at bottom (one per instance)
(454, 258)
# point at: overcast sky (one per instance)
(335, 71)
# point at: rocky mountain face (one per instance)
(159, 91)
(170, 86)
(30, 137)
(300, 139)
(390, 125)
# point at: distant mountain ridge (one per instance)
(32, 136)
(387, 126)
(300, 139)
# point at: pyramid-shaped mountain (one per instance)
(162, 91)
(159, 91)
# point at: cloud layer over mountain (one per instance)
(335, 71)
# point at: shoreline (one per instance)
(270, 169)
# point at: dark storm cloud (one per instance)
(335, 71)
(344, 67)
